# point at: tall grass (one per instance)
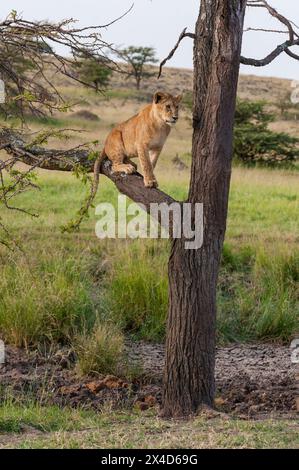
(260, 299)
(100, 350)
(136, 292)
(258, 293)
(46, 300)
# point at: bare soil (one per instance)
(253, 380)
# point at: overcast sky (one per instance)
(158, 23)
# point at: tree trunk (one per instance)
(190, 343)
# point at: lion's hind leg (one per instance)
(116, 153)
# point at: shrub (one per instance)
(254, 142)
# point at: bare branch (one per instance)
(276, 31)
(292, 41)
(280, 18)
(270, 57)
(171, 53)
(27, 54)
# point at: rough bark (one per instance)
(190, 343)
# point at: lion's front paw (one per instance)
(123, 168)
(150, 183)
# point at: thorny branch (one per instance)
(29, 61)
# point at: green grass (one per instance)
(258, 294)
(46, 300)
(37, 427)
(136, 292)
(14, 417)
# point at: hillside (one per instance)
(178, 79)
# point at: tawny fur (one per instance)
(142, 136)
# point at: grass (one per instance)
(258, 295)
(38, 427)
(101, 350)
(136, 293)
(14, 418)
(69, 281)
(46, 301)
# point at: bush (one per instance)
(255, 143)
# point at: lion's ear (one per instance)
(158, 96)
(179, 98)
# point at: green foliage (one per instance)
(255, 143)
(137, 58)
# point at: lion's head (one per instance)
(167, 107)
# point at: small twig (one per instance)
(266, 30)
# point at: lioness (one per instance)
(142, 136)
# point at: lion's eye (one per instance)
(168, 107)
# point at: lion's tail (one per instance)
(83, 211)
(96, 175)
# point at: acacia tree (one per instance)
(137, 58)
(190, 344)
(94, 72)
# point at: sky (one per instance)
(158, 23)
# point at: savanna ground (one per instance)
(83, 319)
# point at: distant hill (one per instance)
(174, 79)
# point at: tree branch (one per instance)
(272, 56)
(66, 160)
(171, 53)
(280, 48)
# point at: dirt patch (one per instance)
(85, 115)
(252, 380)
